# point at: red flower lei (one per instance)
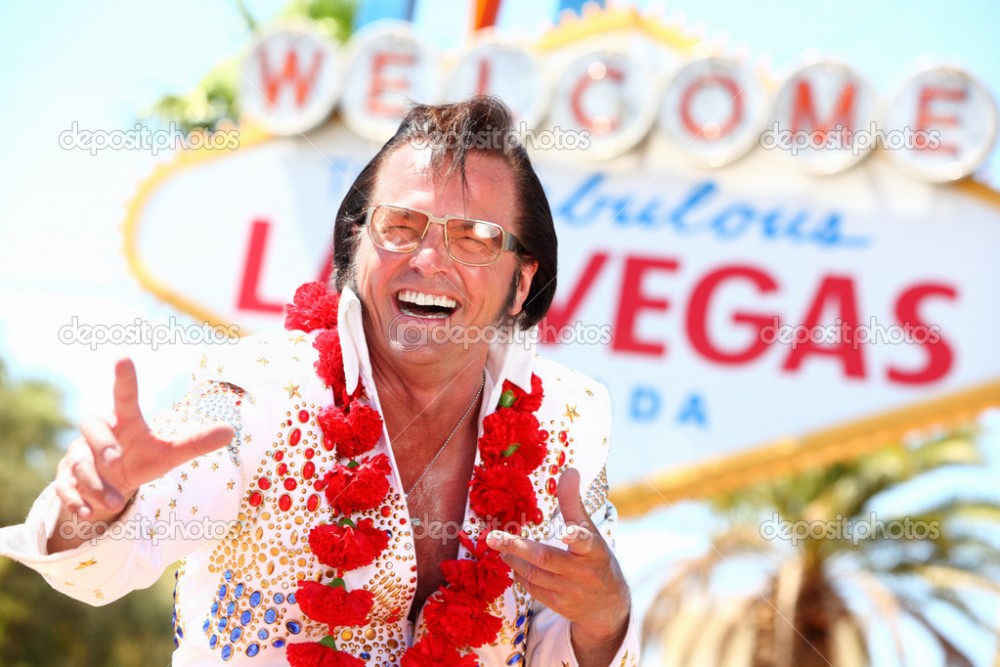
(501, 493)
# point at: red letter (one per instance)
(633, 301)
(251, 271)
(697, 317)
(380, 84)
(601, 124)
(708, 130)
(804, 113)
(303, 82)
(925, 118)
(839, 292)
(558, 316)
(939, 354)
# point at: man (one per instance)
(445, 256)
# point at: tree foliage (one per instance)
(823, 598)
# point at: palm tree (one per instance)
(807, 571)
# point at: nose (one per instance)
(431, 256)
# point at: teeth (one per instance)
(422, 299)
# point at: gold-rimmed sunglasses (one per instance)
(471, 242)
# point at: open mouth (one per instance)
(421, 304)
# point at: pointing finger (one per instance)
(126, 392)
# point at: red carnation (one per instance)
(522, 400)
(505, 495)
(512, 438)
(432, 651)
(485, 577)
(330, 364)
(334, 605)
(359, 488)
(312, 308)
(460, 619)
(354, 432)
(345, 547)
(314, 654)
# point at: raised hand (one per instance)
(104, 467)
(584, 584)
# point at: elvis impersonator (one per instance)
(399, 478)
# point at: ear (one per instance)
(528, 267)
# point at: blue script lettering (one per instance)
(703, 210)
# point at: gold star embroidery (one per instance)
(218, 370)
(230, 484)
(180, 489)
(157, 515)
(292, 389)
(172, 504)
(248, 438)
(571, 413)
(203, 363)
(98, 594)
(263, 362)
(86, 563)
(194, 509)
(184, 477)
(215, 466)
(589, 391)
(298, 339)
(194, 464)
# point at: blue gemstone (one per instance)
(278, 643)
(293, 627)
(223, 622)
(519, 638)
(364, 655)
(238, 591)
(263, 634)
(291, 598)
(212, 641)
(270, 615)
(245, 617)
(204, 627)
(228, 575)
(255, 598)
(520, 620)
(222, 591)
(215, 608)
(180, 632)
(514, 659)
(279, 598)
(227, 652)
(253, 650)
(231, 608)
(235, 635)
(177, 644)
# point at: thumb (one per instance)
(201, 441)
(570, 502)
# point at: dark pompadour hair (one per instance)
(452, 131)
